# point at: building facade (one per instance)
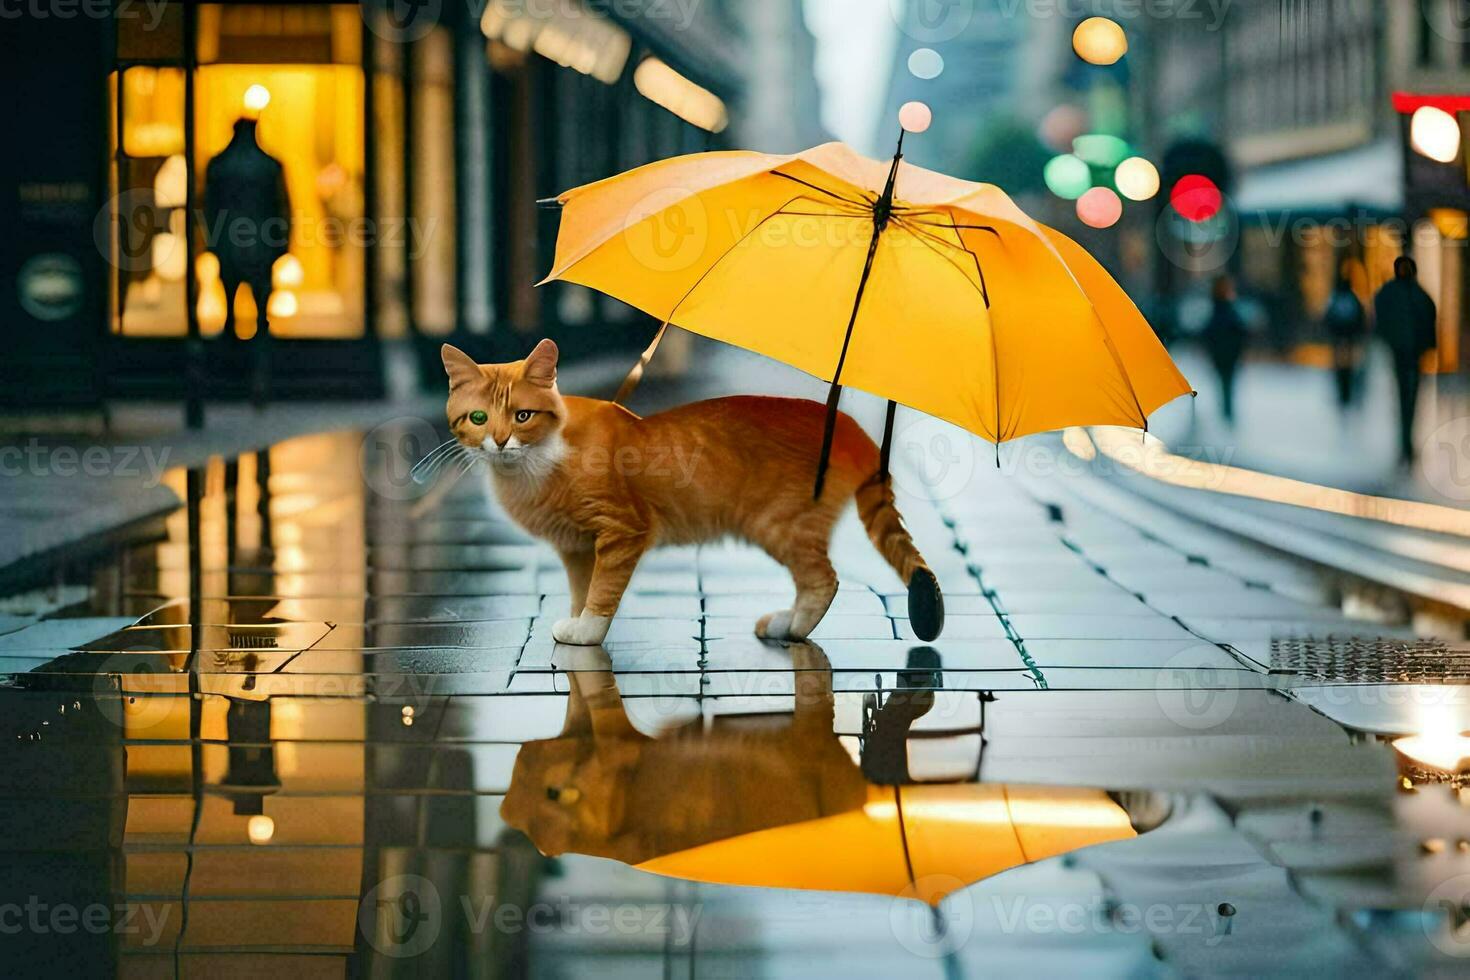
(413, 142)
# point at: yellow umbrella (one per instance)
(919, 842)
(924, 289)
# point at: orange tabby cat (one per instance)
(602, 486)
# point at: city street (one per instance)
(369, 659)
(735, 488)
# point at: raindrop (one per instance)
(926, 63)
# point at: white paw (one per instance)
(774, 626)
(585, 630)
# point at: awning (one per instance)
(1368, 178)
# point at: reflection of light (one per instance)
(694, 104)
(1137, 179)
(1435, 133)
(206, 267)
(1063, 125)
(282, 304)
(926, 63)
(1151, 457)
(1100, 149)
(257, 97)
(1099, 41)
(1100, 208)
(585, 42)
(260, 829)
(1445, 751)
(1197, 198)
(287, 273)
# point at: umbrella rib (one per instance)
(806, 183)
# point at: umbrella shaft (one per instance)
(835, 395)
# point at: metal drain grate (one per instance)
(1370, 660)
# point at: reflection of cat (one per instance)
(604, 788)
(603, 486)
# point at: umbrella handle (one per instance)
(630, 383)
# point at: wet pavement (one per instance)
(319, 725)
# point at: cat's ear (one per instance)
(540, 366)
(460, 366)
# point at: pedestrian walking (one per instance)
(1346, 322)
(1224, 338)
(1406, 319)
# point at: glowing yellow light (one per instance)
(206, 267)
(260, 829)
(282, 305)
(694, 104)
(1435, 133)
(287, 272)
(170, 260)
(171, 186)
(1137, 179)
(1445, 751)
(257, 97)
(1099, 41)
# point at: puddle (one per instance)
(322, 727)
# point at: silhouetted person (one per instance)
(1224, 339)
(1346, 323)
(247, 212)
(1406, 319)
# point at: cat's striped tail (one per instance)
(886, 530)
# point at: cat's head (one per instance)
(511, 414)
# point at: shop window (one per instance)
(278, 83)
(390, 278)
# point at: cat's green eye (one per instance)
(524, 416)
(479, 418)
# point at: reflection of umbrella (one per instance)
(924, 289)
(919, 842)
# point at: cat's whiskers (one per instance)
(425, 468)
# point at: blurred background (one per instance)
(1290, 145)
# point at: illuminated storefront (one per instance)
(407, 162)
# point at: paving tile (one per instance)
(1049, 626)
(834, 627)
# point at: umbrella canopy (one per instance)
(919, 842)
(930, 291)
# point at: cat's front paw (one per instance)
(585, 630)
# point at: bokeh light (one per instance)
(1099, 41)
(1061, 126)
(1067, 176)
(926, 63)
(1196, 198)
(915, 117)
(1435, 134)
(1101, 150)
(1137, 179)
(1100, 207)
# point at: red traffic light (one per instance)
(1196, 197)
